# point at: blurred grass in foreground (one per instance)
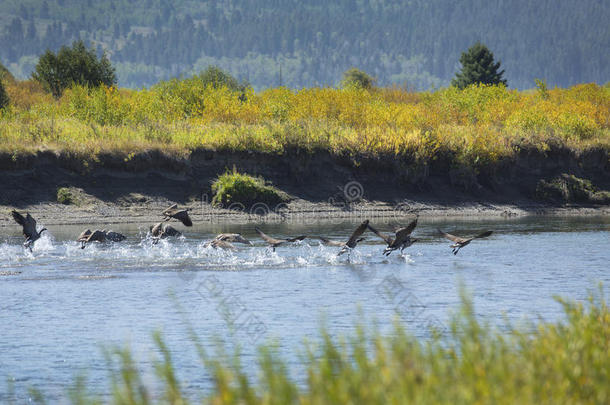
(567, 362)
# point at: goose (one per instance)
(232, 238)
(401, 240)
(87, 237)
(99, 236)
(163, 230)
(461, 242)
(221, 244)
(29, 228)
(84, 235)
(273, 242)
(351, 243)
(355, 238)
(114, 236)
(226, 240)
(334, 243)
(180, 215)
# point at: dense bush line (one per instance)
(472, 128)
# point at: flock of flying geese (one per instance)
(400, 240)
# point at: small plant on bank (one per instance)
(568, 188)
(65, 196)
(233, 187)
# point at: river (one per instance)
(60, 305)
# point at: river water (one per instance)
(61, 306)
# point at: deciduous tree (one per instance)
(357, 78)
(73, 65)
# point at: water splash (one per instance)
(141, 254)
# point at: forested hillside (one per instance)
(414, 42)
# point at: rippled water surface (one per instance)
(60, 305)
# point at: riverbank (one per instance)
(107, 154)
(114, 189)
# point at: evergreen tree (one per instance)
(478, 66)
(75, 65)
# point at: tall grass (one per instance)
(567, 362)
(476, 126)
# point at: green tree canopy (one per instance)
(217, 77)
(354, 77)
(73, 65)
(478, 66)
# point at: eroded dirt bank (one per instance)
(116, 188)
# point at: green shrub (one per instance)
(356, 78)
(600, 197)
(542, 88)
(568, 188)
(65, 196)
(216, 77)
(188, 95)
(233, 187)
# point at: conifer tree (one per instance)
(478, 66)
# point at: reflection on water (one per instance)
(59, 304)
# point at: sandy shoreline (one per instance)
(294, 212)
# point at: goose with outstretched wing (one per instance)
(461, 242)
(355, 238)
(232, 238)
(351, 243)
(87, 236)
(28, 225)
(273, 242)
(221, 244)
(163, 230)
(180, 215)
(226, 240)
(401, 240)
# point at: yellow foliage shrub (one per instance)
(477, 125)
